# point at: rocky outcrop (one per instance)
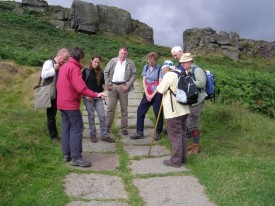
(88, 18)
(202, 41)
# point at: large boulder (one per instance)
(84, 17)
(114, 20)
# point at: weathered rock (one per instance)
(202, 41)
(89, 18)
(114, 20)
(84, 17)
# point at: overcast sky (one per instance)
(251, 19)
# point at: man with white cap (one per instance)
(176, 119)
(193, 121)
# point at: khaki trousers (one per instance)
(115, 95)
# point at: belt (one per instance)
(118, 83)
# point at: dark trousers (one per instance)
(176, 128)
(72, 128)
(51, 121)
(143, 109)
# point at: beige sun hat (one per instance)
(186, 57)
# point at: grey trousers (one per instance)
(193, 121)
(91, 106)
(72, 128)
(176, 129)
(115, 95)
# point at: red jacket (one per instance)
(70, 86)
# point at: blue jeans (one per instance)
(143, 109)
(91, 106)
(72, 128)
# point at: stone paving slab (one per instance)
(96, 203)
(100, 146)
(153, 166)
(135, 151)
(94, 186)
(148, 132)
(172, 190)
(100, 162)
(133, 122)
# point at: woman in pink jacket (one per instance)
(70, 88)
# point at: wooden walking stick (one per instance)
(152, 140)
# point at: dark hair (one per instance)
(77, 53)
(123, 48)
(96, 56)
(98, 70)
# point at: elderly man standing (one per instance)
(120, 74)
(193, 121)
(49, 74)
(176, 52)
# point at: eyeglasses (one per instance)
(175, 55)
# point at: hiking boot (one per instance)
(195, 149)
(124, 132)
(157, 136)
(67, 158)
(170, 164)
(190, 147)
(80, 162)
(93, 138)
(108, 139)
(138, 135)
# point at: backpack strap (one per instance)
(171, 92)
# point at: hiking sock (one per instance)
(196, 136)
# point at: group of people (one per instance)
(74, 83)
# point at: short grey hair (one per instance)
(176, 49)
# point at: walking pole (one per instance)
(152, 140)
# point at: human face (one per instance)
(165, 70)
(63, 58)
(122, 55)
(178, 55)
(95, 63)
(152, 61)
(186, 65)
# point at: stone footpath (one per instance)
(93, 187)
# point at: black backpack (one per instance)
(187, 92)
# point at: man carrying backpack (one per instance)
(193, 121)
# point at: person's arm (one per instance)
(133, 75)
(80, 86)
(107, 77)
(200, 78)
(48, 69)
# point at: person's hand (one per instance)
(102, 95)
(110, 88)
(148, 97)
(125, 88)
(56, 66)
